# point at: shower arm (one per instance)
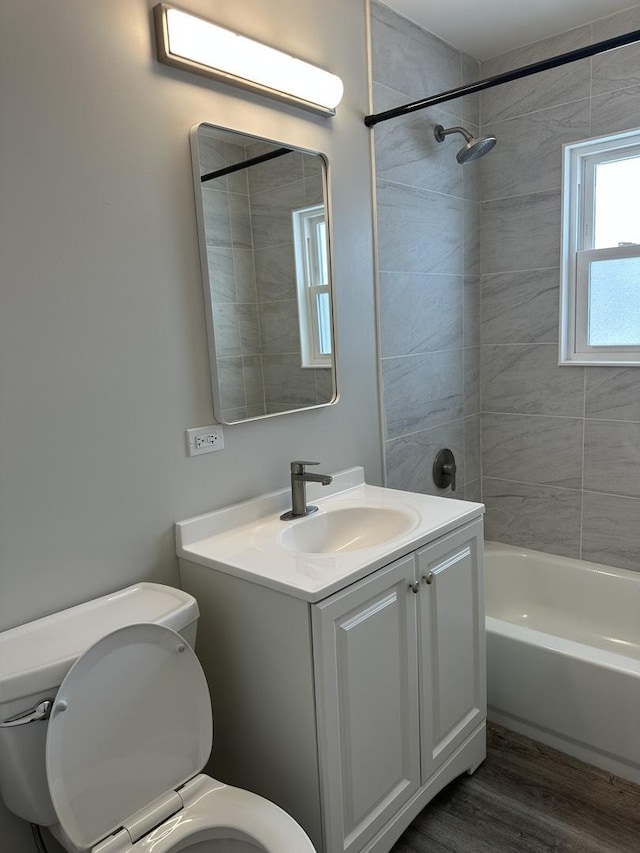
(441, 132)
(506, 77)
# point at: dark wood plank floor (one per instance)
(528, 798)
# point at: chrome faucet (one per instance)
(299, 477)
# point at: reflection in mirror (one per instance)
(264, 249)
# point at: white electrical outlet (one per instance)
(204, 439)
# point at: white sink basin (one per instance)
(346, 529)
(357, 529)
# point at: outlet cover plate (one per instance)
(204, 439)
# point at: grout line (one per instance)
(538, 485)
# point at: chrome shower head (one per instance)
(473, 148)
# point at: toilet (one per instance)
(105, 727)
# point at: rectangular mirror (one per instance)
(266, 267)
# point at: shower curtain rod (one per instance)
(261, 158)
(506, 77)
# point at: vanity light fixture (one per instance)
(189, 42)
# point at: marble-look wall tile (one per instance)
(222, 283)
(471, 389)
(611, 530)
(427, 215)
(471, 316)
(613, 393)
(471, 238)
(528, 157)
(271, 214)
(421, 391)
(526, 379)
(236, 181)
(245, 275)
(231, 382)
(619, 68)
(520, 307)
(470, 170)
(410, 459)
(253, 380)
(564, 436)
(419, 313)
(314, 190)
(211, 154)
(231, 416)
(615, 111)
(226, 326)
(538, 517)
(324, 385)
(276, 273)
(520, 233)
(418, 230)
(275, 173)
(558, 86)
(473, 491)
(279, 329)
(470, 73)
(285, 382)
(408, 58)
(472, 449)
(249, 329)
(533, 449)
(407, 152)
(612, 457)
(217, 226)
(240, 222)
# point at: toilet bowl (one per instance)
(111, 761)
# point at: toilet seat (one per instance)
(214, 811)
(130, 730)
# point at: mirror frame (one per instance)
(206, 281)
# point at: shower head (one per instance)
(473, 148)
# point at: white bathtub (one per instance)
(563, 654)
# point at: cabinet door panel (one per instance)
(453, 680)
(365, 645)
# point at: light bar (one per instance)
(189, 42)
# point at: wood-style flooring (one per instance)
(528, 798)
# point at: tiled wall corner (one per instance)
(428, 273)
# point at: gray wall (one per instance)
(428, 266)
(103, 356)
(560, 445)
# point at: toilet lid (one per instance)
(131, 722)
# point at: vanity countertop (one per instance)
(248, 539)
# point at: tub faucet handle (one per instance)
(444, 469)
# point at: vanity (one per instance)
(344, 651)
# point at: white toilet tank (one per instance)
(34, 659)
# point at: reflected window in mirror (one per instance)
(312, 274)
(265, 251)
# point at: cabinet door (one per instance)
(452, 645)
(365, 661)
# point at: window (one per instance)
(600, 275)
(312, 273)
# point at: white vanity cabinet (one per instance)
(400, 679)
(352, 711)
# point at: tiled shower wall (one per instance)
(428, 264)
(560, 445)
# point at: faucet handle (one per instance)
(299, 466)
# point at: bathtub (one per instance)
(563, 654)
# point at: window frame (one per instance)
(307, 273)
(580, 160)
